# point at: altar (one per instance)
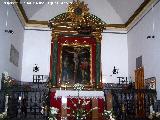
(76, 48)
(76, 58)
(69, 101)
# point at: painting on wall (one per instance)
(76, 64)
(14, 55)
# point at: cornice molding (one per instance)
(44, 24)
(137, 12)
(140, 13)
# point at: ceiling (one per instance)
(113, 12)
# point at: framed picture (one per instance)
(14, 55)
(150, 83)
(75, 59)
(75, 64)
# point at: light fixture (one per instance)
(9, 31)
(149, 36)
(115, 71)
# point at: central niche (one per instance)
(76, 64)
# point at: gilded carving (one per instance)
(77, 11)
(78, 20)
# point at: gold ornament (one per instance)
(77, 11)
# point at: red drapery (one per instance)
(100, 105)
(71, 103)
(55, 102)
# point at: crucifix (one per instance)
(76, 53)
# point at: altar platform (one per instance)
(70, 101)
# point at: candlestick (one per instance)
(153, 26)
(6, 103)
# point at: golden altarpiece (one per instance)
(76, 48)
(76, 57)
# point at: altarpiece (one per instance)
(76, 56)
(76, 47)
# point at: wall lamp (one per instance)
(9, 31)
(115, 71)
(148, 37)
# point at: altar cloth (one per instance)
(72, 93)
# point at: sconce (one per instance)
(35, 68)
(148, 37)
(9, 31)
(115, 71)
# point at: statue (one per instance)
(76, 53)
(65, 73)
(84, 69)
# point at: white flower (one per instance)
(42, 110)
(53, 110)
(109, 113)
(111, 118)
(50, 118)
(78, 86)
(157, 114)
(94, 108)
(86, 102)
(3, 115)
(6, 75)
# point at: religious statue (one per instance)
(84, 69)
(65, 71)
(76, 52)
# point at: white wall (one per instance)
(36, 50)
(114, 53)
(102, 9)
(7, 39)
(138, 45)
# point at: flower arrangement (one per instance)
(53, 112)
(80, 113)
(6, 75)
(109, 115)
(6, 79)
(78, 86)
(154, 116)
(9, 83)
(3, 115)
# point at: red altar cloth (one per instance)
(55, 102)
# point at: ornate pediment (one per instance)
(77, 11)
(77, 19)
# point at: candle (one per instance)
(7, 17)
(153, 18)
(6, 103)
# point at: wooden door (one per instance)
(139, 86)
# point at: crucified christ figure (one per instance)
(76, 53)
